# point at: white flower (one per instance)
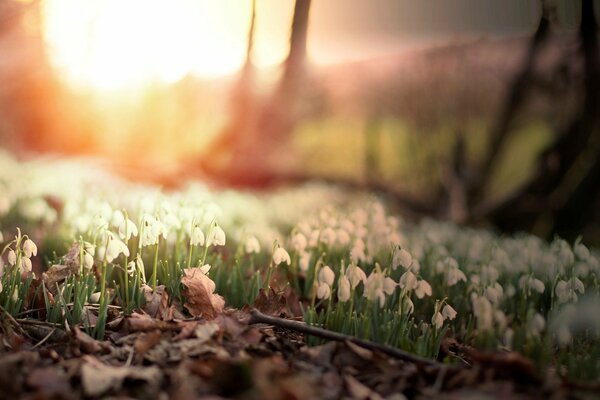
(117, 218)
(448, 312)
(323, 291)
(304, 261)
(408, 280)
(403, 258)
(482, 309)
(252, 245)
(537, 325)
(280, 255)
(299, 242)
(114, 248)
(454, 276)
(1, 237)
(25, 264)
(131, 268)
(344, 290)
(494, 293)
(326, 275)
(127, 229)
(327, 236)
(151, 230)
(216, 236)
(29, 248)
(437, 320)
(1, 287)
(357, 253)
(197, 237)
(377, 286)
(500, 319)
(407, 305)
(423, 289)
(88, 261)
(355, 275)
(528, 283)
(343, 237)
(12, 257)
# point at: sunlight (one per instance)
(111, 44)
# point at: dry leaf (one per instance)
(270, 303)
(199, 293)
(98, 378)
(146, 341)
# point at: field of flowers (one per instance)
(78, 244)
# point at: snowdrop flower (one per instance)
(448, 312)
(343, 237)
(197, 237)
(299, 242)
(127, 229)
(529, 282)
(454, 276)
(117, 218)
(437, 320)
(403, 258)
(563, 252)
(29, 248)
(357, 253)
(151, 230)
(408, 281)
(482, 309)
(423, 289)
(500, 319)
(580, 250)
(304, 261)
(25, 264)
(355, 275)
(131, 268)
(494, 293)
(537, 325)
(344, 290)
(114, 248)
(377, 286)
(323, 291)
(327, 236)
(1, 287)
(216, 236)
(252, 245)
(12, 257)
(326, 275)
(280, 255)
(567, 290)
(88, 261)
(313, 239)
(1, 237)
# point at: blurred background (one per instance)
(477, 111)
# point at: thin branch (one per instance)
(256, 317)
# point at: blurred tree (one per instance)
(254, 146)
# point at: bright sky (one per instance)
(110, 44)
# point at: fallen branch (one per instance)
(256, 317)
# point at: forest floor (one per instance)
(157, 353)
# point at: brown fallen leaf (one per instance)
(199, 293)
(146, 341)
(88, 344)
(50, 383)
(270, 302)
(98, 378)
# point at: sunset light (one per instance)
(110, 44)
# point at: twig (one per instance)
(44, 339)
(256, 317)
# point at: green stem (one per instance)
(154, 267)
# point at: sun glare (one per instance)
(111, 44)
